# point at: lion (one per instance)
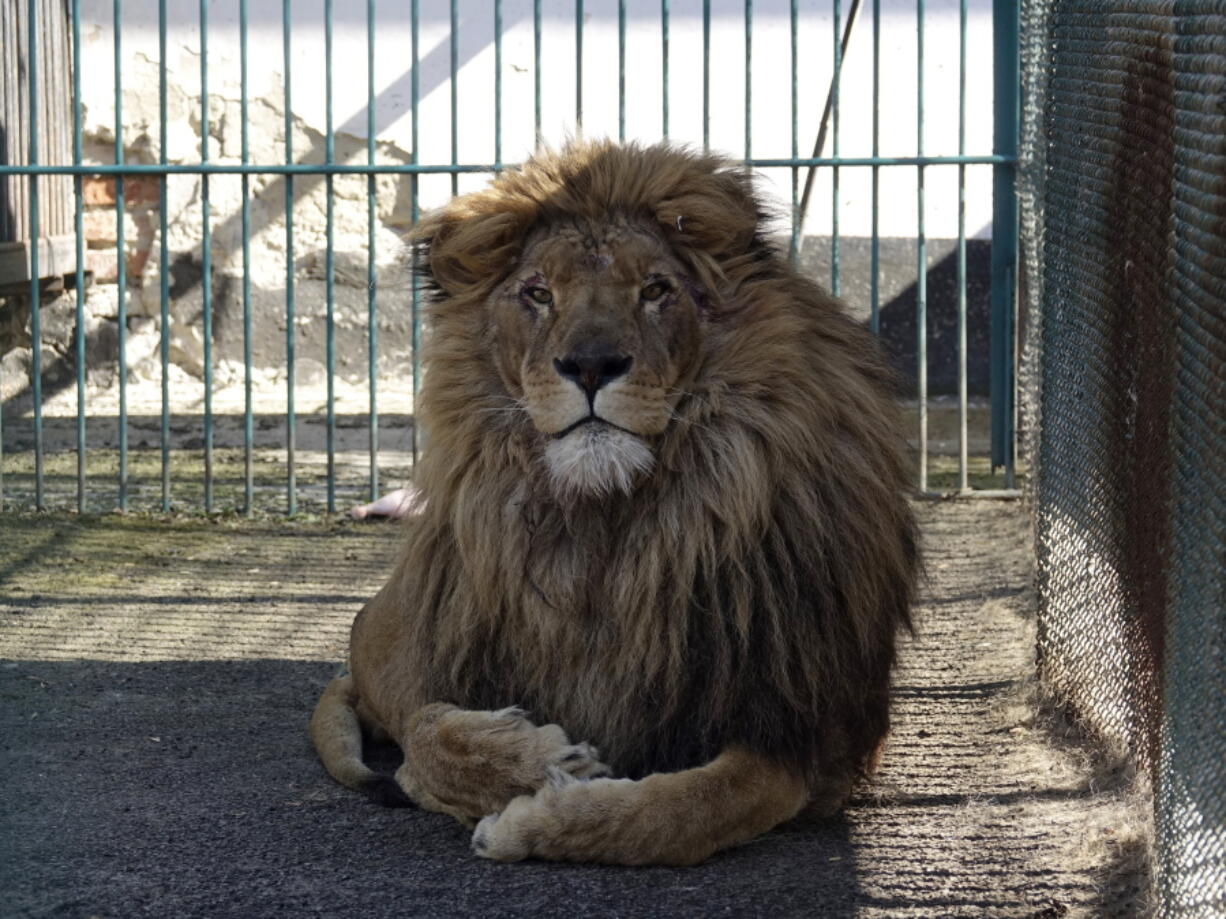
(664, 511)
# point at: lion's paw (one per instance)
(501, 836)
(577, 761)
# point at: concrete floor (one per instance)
(156, 678)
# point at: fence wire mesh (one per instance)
(1124, 153)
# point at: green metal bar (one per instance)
(164, 261)
(290, 169)
(621, 70)
(536, 66)
(121, 263)
(706, 75)
(498, 84)
(748, 79)
(1005, 30)
(414, 203)
(579, 67)
(291, 489)
(794, 246)
(248, 419)
(963, 479)
(330, 264)
(36, 337)
(985, 160)
(454, 46)
(79, 224)
(921, 269)
(293, 169)
(664, 17)
(836, 82)
(875, 244)
(372, 325)
(206, 260)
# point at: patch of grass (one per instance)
(187, 474)
(943, 474)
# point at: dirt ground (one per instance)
(156, 678)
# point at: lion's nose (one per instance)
(592, 369)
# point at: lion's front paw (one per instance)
(473, 763)
(581, 760)
(503, 837)
(567, 820)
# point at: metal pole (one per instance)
(1005, 30)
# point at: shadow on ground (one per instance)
(190, 789)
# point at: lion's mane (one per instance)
(750, 590)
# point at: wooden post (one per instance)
(57, 246)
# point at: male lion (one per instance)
(664, 508)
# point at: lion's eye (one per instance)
(538, 295)
(654, 291)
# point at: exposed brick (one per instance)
(103, 264)
(97, 190)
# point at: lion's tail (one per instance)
(336, 733)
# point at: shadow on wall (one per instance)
(897, 293)
(898, 324)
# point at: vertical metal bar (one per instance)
(291, 490)
(79, 200)
(621, 70)
(330, 264)
(36, 337)
(121, 262)
(793, 247)
(454, 46)
(963, 479)
(748, 79)
(206, 259)
(415, 211)
(921, 266)
(248, 420)
(875, 245)
(163, 261)
(497, 85)
(536, 67)
(372, 326)
(834, 172)
(706, 75)
(579, 67)
(1004, 232)
(664, 17)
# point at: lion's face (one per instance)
(597, 332)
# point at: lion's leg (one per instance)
(472, 763)
(675, 818)
(336, 732)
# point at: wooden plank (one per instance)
(54, 119)
(57, 256)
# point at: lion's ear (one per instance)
(468, 244)
(715, 213)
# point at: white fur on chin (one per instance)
(597, 459)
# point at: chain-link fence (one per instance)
(1124, 187)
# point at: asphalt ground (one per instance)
(156, 677)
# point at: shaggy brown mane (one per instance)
(749, 591)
